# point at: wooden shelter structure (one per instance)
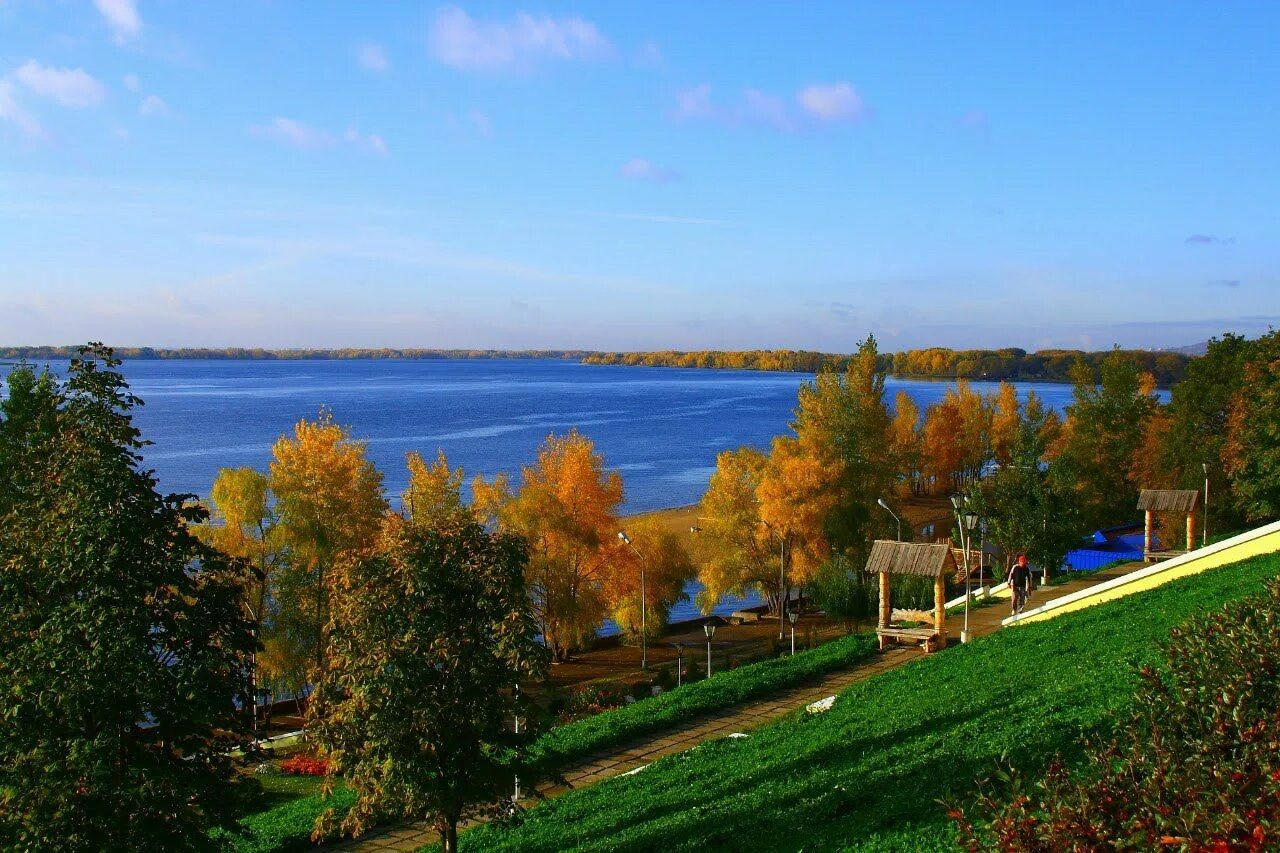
(1151, 501)
(922, 560)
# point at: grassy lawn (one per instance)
(868, 774)
(282, 818)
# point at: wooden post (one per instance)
(1191, 530)
(940, 607)
(1146, 537)
(886, 606)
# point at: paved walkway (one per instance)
(739, 718)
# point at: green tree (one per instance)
(123, 638)
(1025, 512)
(1198, 421)
(1104, 430)
(1252, 452)
(429, 640)
(844, 591)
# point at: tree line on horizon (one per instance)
(130, 619)
(1009, 363)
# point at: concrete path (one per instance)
(739, 718)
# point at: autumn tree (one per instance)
(1005, 422)
(1104, 430)
(243, 525)
(1252, 451)
(329, 503)
(907, 444)
(798, 494)
(841, 424)
(567, 510)
(736, 549)
(667, 567)
(429, 638)
(942, 451)
(434, 495)
(123, 638)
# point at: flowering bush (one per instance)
(304, 765)
(1197, 768)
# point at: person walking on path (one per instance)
(1019, 580)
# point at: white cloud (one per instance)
(122, 16)
(293, 134)
(812, 105)
(695, 102)
(70, 87)
(153, 105)
(371, 142)
(831, 102)
(460, 41)
(372, 57)
(132, 83)
(639, 169)
(12, 112)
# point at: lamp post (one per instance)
(793, 617)
(679, 664)
(709, 628)
(644, 632)
(515, 797)
(884, 506)
(966, 521)
(1204, 539)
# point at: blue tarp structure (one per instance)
(1107, 546)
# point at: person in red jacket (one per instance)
(1019, 581)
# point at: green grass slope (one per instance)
(868, 774)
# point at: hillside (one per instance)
(869, 774)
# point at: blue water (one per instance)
(661, 428)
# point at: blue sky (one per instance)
(635, 176)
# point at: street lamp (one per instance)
(884, 506)
(679, 664)
(709, 628)
(644, 633)
(793, 617)
(1204, 540)
(966, 521)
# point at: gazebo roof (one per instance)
(1168, 500)
(910, 558)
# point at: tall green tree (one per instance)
(1252, 452)
(1104, 429)
(123, 638)
(428, 642)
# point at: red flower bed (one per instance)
(304, 765)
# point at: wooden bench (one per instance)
(930, 639)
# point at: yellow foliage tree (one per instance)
(736, 548)
(567, 510)
(1006, 417)
(907, 443)
(667, 567)
(330, 503)
(434, 495)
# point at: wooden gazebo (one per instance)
(912, 558)
(1151, 501)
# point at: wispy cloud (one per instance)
(813, 105)
(372, 57)
(1232, 283)
(460, 41)
(831, 102)
(303, 137)
(649, 55)
(11, 111)
(68, 87)
(121, 16)
(973, 119)
(1207, 240)
(371, 142)
(640, 169)
(153, 105)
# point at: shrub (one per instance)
(1197, 766)
(304, 765)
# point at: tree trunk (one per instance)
(449, 835)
